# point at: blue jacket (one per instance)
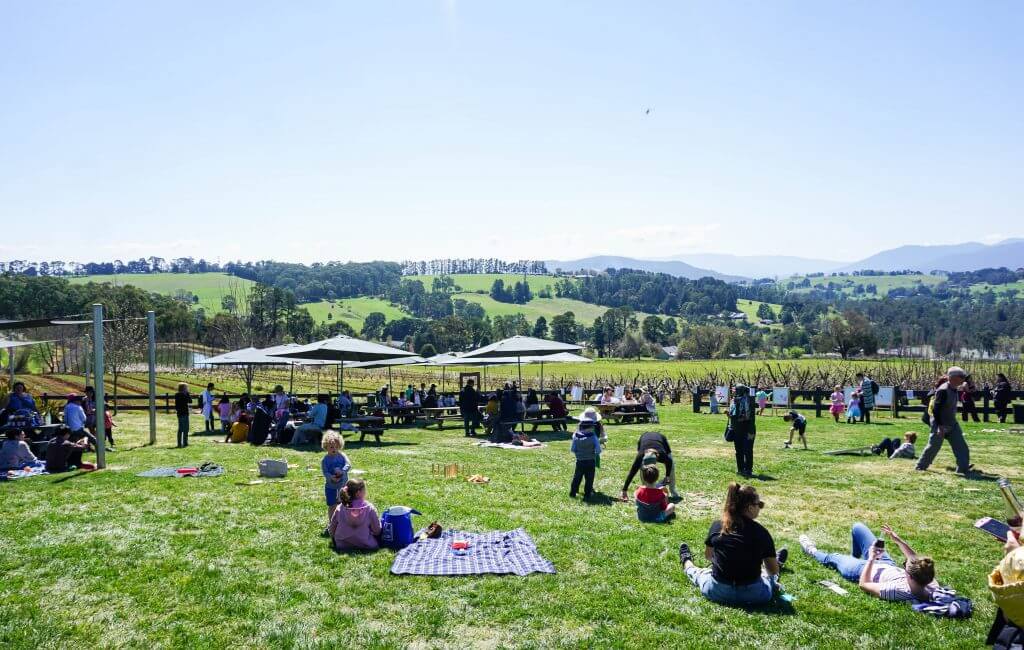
(585, 445)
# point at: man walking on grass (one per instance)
(945, 425)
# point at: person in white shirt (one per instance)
(15, 452)
(608, 396)
(74, 420)
(874, 571)
(207, 398)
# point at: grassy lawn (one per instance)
(208, 287)
(352, 310)
(883, 282)
(108, 559)
(546, 307)
(749, 307)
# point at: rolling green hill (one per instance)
(352, 310)
(546, 307)
(209, 288)
(847, 283)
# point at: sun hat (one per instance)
(1006, 583)
(590, 415)
(956, 371)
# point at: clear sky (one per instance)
(307, 131)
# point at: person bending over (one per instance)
(744, 565)
(651, 448)
(873, 569)
(799, 426)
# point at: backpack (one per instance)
(945, 603)
(874, 387)
(739, 409)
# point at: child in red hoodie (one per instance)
(652, 505)
(355, 523)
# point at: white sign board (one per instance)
(885, 396)
(619, 391)
(577, 393)
(848, 393)
(780, 396)
(722, 394)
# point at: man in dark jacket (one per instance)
(743, 429)
(469, 401)
(945, 425)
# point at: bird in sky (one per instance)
(647, 111)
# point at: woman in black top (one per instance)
(737, 547)
(651, 448)
(1001, 395)
(181, 407)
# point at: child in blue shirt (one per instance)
(586, 446)
(335, 467)
(799, 426)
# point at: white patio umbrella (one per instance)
(340, 349)
(248, 358)
(519, 347)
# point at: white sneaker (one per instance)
(807, 545)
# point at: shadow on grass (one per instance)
(764, 477)
(600, 499)
(360, 444)
(73, 475)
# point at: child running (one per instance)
(652, 504)
(335, 467)
(838, 403)
(799, 425)
(762, 400)
(853, 408)
(355, 524)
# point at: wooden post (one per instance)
(984, 404)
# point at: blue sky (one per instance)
(313, 131)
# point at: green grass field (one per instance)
(883, 282)
(108, 559)
(998, 289)
(546, 307)
(208, 287)
(352, 310)
(749, 307)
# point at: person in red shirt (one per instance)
(652, 505)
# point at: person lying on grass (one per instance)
(744, 565)
(799, 426)
(652, 504)
(335, 467)
(893, 449)
(355, 524)
(873, 569)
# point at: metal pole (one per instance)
(88, 361)
(97, 345)
(151, 326)
(291, 380)
(390, 389)
(10, 357)
(341, 371)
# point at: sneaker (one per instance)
(807, 545)
(782, 556)
(572, 495)
(326, 532)
(684, 554)
(785, 445)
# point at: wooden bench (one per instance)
(376, 432)
(551, 422)
(439, 420)
(621, 417)
(367, 425)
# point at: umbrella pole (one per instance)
(542, 376)
(519, 362)
(318, 380)
(291, 381)
(390, 389)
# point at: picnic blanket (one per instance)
(499, 552)
(532, 444)
(204, 470)
(36, 469)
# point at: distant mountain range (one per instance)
(671, 267)
(969, 256)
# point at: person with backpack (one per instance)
(586, 447)
(945, 426)
(868, 390)
(742, 429)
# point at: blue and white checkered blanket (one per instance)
(498, 552)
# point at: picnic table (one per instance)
(408, 414)
(38, 437)
(365, 425)
(440, 414)
(624, 413)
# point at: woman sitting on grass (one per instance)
(875, 572)
(15, 452)
(355, 524)
(744, 565)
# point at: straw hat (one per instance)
(1006, 583)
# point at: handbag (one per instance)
(730, 435)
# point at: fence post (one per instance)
(897, 399)
(817, 401)
(984, 405)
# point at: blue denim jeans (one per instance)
(756, 593)
(851, 566)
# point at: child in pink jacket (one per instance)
(355, 523)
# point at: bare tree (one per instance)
(124, 343)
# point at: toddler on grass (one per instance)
(652, 504)
(355, 523)
(335, 467)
